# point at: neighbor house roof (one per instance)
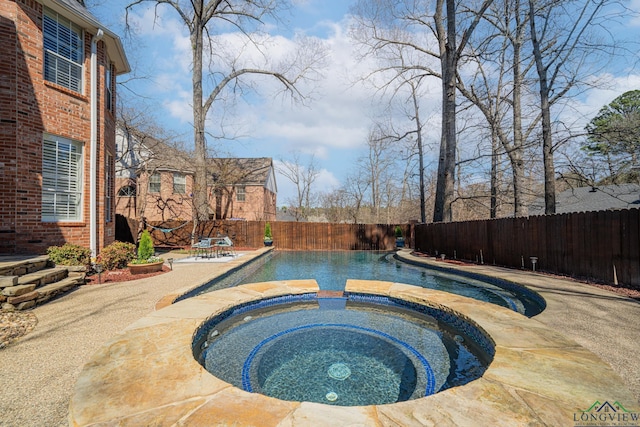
(164, 157)
(599, 198)
(78, 13)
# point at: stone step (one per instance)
(43, 293)
(20, 265)
(44, 277)
(58, 287)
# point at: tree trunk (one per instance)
(493, 210)
(516, 153)
(200, 199)
(446, 166)
(545, 107)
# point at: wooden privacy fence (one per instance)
(603, 246)
(286, 235)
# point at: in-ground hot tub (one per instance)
(147, 374)
(348, 350)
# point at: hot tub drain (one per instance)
(332, 396)
(339, 371)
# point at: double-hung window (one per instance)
(179, 183)
(63, 51)
(241, 194)
(154, 183)
(61, 179)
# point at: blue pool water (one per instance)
(332, 269)
(354, 350)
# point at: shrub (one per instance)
(70, 254)
(117, 255)
(145, 247)
(398, 231)
(267, 231)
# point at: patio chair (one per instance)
(203, 248)
(225, 246)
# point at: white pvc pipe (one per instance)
(93, 198)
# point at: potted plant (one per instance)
(146, 262)
(268, 240)
(399, 238)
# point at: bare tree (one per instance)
(496, 89)
(395, 31)
(355, 188)
(144, 149)
(204, 19)
(303, 178)
(565, 51)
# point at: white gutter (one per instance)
(93, 198)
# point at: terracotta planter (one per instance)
(152, 267)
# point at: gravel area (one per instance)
(15, 324)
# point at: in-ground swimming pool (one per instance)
(331, 269)
(350, 351)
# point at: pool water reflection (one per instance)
(331, 269)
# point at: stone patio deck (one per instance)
(147, 375)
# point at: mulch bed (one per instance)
(124, 275)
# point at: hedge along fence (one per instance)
(286, 235)
(603, 246)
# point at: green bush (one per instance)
(398, 231)
(145, 247)
(69, 254)
(117, 255)
(267, 231)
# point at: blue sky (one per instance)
(334, 124)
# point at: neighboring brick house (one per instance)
(244, 188)
(155, 181)
(57, 126)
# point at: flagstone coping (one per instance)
(147, 374)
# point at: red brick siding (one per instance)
(259, 204)
(163, 206)
(30, 106)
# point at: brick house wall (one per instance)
(30, 106)
(239, 188)
(259, 203)
(165, 205)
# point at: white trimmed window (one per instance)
(154, 183)
(241, 194)
(63, 51)
(179, 183)
(108, 84)
(109, 189)
(61, 179)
